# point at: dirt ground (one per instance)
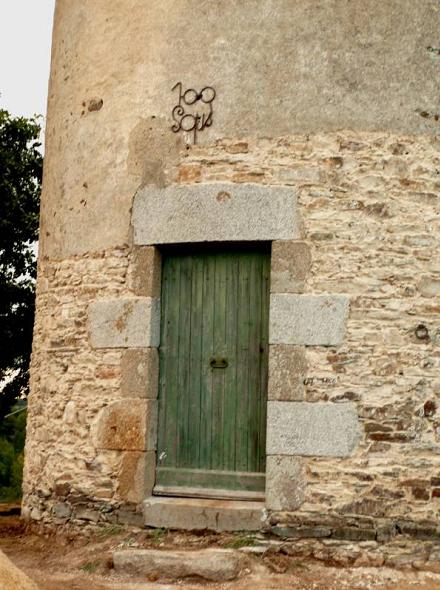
(63, 563)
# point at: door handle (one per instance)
(218, 362)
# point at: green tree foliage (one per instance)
(20, 182)
(12, 434)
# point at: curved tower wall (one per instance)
(336, 102)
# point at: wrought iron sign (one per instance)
(194, 110)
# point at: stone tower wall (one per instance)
(338, 100)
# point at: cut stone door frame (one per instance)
(226, 212)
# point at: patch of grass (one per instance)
(246, 541)
(157, 535)
(91, 566)
(299, 565)
(110, 530)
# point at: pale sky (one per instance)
(25, 41)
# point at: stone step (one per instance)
(201, 514)
(215, 565)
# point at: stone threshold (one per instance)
(201, 514)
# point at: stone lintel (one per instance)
(310, 320)
(290, 265)
(312, 429)
(124, 323)
(140, 372)
(127, 425)
(212, 212)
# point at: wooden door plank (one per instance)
(219, 351)
(242, 364)
(169, 355)
(211, 477)
(230, 425)
(254, 360)
(196, 360)
(208, 289)
(184, 346)
(164, 357)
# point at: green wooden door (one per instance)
(213, 372)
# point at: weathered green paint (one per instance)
(213, 369)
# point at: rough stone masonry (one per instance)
(325, 141)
